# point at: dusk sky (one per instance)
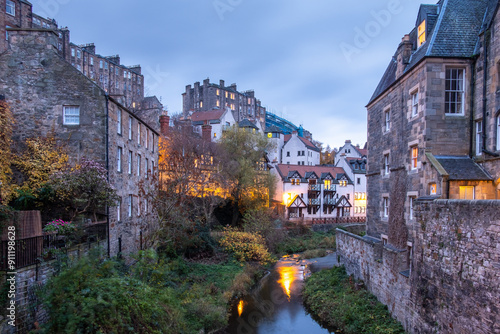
(315, 63)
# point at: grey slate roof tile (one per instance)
(463, 168)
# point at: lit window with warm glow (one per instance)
(217, 103)
(328, 184)
(467, 192)
(217, 92)
(421, 33)
(432, 189)
(414, 157)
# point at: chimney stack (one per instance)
(403, 55)
(206, 132)
(164, 125)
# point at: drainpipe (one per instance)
(106, 95)
(471, 117)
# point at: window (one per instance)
(386, 207)
(119, 210)
(384, 239)
(432, 189)
(467, 192)
(106, 66)
(100, 63)
(226, 95)
(201, 104)
(147, 138)
(288, 153)
(498, 133)
(130, 162)
(295, 182)
(217, 103)
(152, 167)
(421, 33)
(72, 52)
(414, 104)
(10, 8)
(414, 158)
(479, 137)
(358, 181)
(387, 120)
(146, 168)
(138, 165)
(411, 201)
(454, 91)
(138, 206)
(124, 74)
(130, 128)
(119, 160)
(139, 133)
(129, 204)
(78, 54)
(71, 115)
(217, 92)
(215, 134)
(91, 61)
(298, 153)
(328, 184)
(386, 164)
(119, 121)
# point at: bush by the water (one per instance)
(245, 246)
(340, 303)
(154, 295)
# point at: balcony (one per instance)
(329, 201)
(315, 187)
(314, 201)
(331, 187)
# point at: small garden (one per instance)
(341, 302)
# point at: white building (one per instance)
(292, 149)
(353, 160)
(217, 119)
(312, 192)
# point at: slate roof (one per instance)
(462, 168)
(453, 33)
(273, 128)
(286, 171)
(247, 124)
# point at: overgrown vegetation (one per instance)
(153, 295)
(341, 303)
(302, 239)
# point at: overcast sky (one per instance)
(315, 63)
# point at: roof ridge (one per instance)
(436, 27)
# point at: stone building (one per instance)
(47, 93)
(431, 247)
(209, 96)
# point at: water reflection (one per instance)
(241, 303)
(287, 277)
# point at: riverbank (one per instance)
(340, 302)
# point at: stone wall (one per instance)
(452, 275)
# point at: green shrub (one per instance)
(245, 246)
(337, 301)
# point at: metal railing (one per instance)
(314, 201)
(329, 201)
(338, 220)
(315, 187)
(331, 187)
(29, 251)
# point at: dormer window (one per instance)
(421, 33)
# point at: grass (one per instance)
(339, 303)
(308, 240)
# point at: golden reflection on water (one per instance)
(287, 277)
(240, 308)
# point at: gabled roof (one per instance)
(453, 33)
(201, 116)
(462, 168)
(343, 202)
(311, 175)
(305, 141)
(285, 171)
(297, 202)
(247, 124)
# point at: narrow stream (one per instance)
(275, 305)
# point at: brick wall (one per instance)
(452, 286)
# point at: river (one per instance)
(275, 304)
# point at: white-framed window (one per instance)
(498, 132)
(139, 133)
(385, 207)
(119, 210)
(91, 61)
(387, 120)
(10, 8)
(146, 165)
(130, 162)
(71, 115)
(432, 189)
(72, 52)
(386, 164)
(119, 159)
(454, 91)
(105, 65)
(411, 202)
(130, 128)
(414, 157)
(78, 53)
(129, 206)
(138, 165)
(100, 63)
(119, 121)
(467, 192)
(479, 137)
(414, 103)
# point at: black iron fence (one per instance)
(338, 220)
(29, 251)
